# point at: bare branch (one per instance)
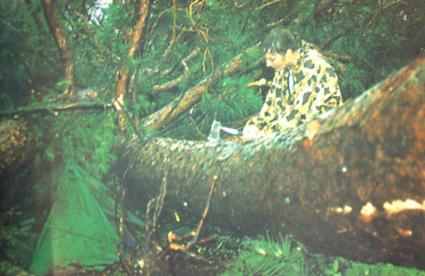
(55, 109)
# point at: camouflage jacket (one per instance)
(297, 93)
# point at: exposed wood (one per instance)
(173, 110)
(124, 74)
(63, 47)
(355, 187)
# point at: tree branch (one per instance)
(124, 74)
(55, 109)
(173, 110)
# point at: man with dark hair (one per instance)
(304, 85)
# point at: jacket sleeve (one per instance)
(267, 115)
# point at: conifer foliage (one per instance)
(185, 45)
(185, 41)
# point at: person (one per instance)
(303, 86)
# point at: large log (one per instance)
(352, 186)
(16, 145)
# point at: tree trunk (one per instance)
(124, 74)
(16, 145)
(63, 47)
(352, 186)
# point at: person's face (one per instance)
(277, 61)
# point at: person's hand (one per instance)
(312, 129)
(260, 82)
(251, 132)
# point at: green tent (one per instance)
(76, 233)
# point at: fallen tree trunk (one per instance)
(354, 187)
(16, 145)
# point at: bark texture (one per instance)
(173, 110)
(124, 74)
(55, 109)
(16, 145)
(63, 47)
(351, 184)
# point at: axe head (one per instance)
(214, 131)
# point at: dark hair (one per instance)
(280, 40)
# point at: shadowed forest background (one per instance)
(116, 84)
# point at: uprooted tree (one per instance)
(348, 184)
(351, 184)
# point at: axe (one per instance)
(216, 127)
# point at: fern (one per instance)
(286, 256)
(265, 257)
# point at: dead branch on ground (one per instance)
(194, 234)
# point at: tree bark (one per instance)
(63, 47)
(55, 109)
(351, 184)
(124, 74)
(16, 145)
(177, 107)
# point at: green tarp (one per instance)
(76, 233)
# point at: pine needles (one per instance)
(286, 256)
(266, 257)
